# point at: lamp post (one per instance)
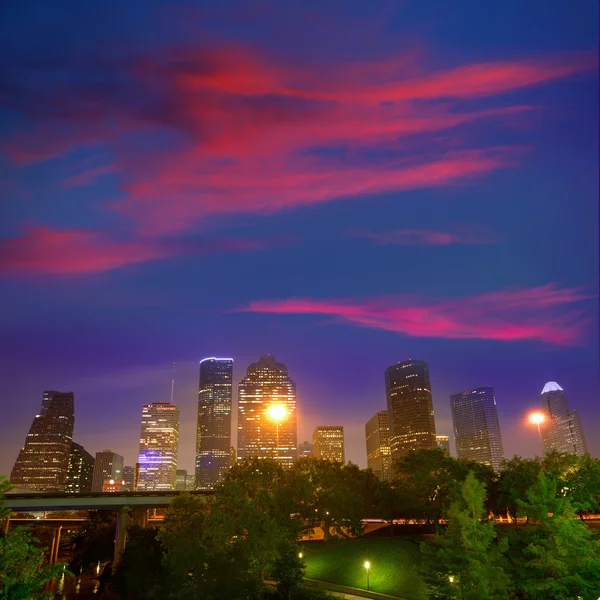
(537, 418)
(367, 567)
(277, 412)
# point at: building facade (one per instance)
(129, 477)
(476, 426)
(107, 465)
(562, 430)
(267, 385)
(213, 434)
(410, 407)
(328, 443)
(81, 470)
(305, 449)
(184, 481)
(443, 441)
(111, 486)
(43, 462)
(159, 444)
(379, 452)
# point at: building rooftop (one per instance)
(552, 386)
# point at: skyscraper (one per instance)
(129, 478)
(108, 465)
(410, 407)
(562, 429)
(81, 470)
(305, 449)
(476, 426)
(328, 443)
(213, 436)
(43, 462)
(265, 431)
(443, 441)
(159, 442)
(379, 452)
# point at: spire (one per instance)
(172, 384)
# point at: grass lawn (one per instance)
(393, 564)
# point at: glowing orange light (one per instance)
(277, 412)
(537, 418)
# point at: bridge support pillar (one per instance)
(140, 516)
(120, 535)
(55, 545)
(6, 524)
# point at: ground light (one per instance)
(300, 555)
(367, 566)
(537, 418)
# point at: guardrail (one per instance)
(344, 589)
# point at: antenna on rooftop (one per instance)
(173, 383)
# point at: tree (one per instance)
(96, 541)
(22, 570)
(557, 557)
(466, 561)
(517, 475)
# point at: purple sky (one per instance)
(344, 187)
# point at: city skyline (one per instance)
(342, 186)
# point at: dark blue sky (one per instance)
(343, 186)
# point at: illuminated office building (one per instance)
(562, 429)
(410, 407)
(328, 443)
(107, 465)
(379, 452)
(213, 435)
(159, 442)
(443, 441)
(43, 462)
(267, 384)
(114, 485)
(476, 426)
(305, 449)
(129, 478)
(81, 470)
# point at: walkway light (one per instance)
(367, 566)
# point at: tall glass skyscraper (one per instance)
(476, 426)
(81, 470)
(410, 407)
(379, 453)
(213, 436)
(267, 385)
(43, 462)
(159, 442)
(562, 429)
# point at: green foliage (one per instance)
(140, 574)
(557, 557)
(22, 572)
(288, 570)
(5, 486)
(465, 562)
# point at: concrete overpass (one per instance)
(120, 502)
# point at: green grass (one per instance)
(393, 571)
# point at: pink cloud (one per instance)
(428, 237)
(543, 313)
(51, 251)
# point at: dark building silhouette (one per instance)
(476, 426)
(81, 470)
(562, 429)
(213, 435)
(267, 385)
(107, 465)
(43, 462)
(410, 407)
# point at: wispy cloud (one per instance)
(430, 237)
(545, 313)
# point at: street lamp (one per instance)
(300, 555)
(537, 418)
(277, 412)
(367, 566)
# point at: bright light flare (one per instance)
(367, 565)
(277, 412)
(537, 418)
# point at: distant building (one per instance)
(129, 478)
(379, 452)
(562, 429)
(328, 443)
(184, 481)
(159, 443)
(443, 441)
(213, 437)
(305, 449)
(114, 485)
(43, 462)
(476, 426)
(81, 470)
(232, 456)
(410, 407)
(108, 465)
(267, 385)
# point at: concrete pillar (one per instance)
(140, 516)
(57, 544)
(120, 535)
(51, 553)
(6, 524)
